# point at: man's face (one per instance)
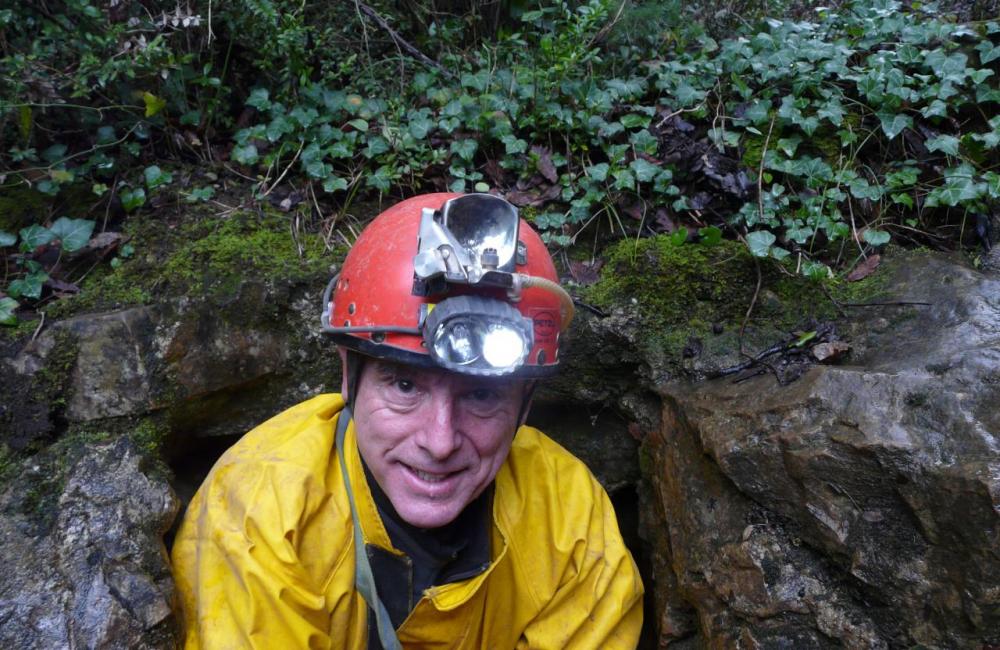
(433, 439)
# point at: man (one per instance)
(415, 510)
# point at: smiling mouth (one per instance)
(429, 477)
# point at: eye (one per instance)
(483, 394)
(404, 385)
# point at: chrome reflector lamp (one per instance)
(470, 240)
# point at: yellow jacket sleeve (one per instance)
(243, 583)
(587, 585)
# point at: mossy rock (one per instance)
(203, 256)
(690, 302)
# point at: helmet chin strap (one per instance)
(529, 392)
(355, 364)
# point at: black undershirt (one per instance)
(433, 556)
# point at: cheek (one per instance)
(490, 437)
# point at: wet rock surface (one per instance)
(856, 507)
(82, 553)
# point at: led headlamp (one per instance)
(477, 336)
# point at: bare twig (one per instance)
(400, 41)
(38, 329)
(760, 171)
(670, 116)
(898, 303)
(284, 173)
(753, 302)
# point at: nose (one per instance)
(439, 436)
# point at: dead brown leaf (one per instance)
(829, 352)
(544, 165)
(586, 273)
(864, 269)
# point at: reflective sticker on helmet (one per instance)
(546, 326)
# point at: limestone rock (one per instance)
(84, 566)
(856, 507)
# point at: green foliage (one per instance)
(592, 116)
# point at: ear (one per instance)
(344, 383)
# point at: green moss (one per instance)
(203, 256)
(53, 379)
(21, 207)
(21, 329)
(753, 149)
(671, 286)
(687, 292)
(245, 246)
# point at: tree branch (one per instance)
(402, 42)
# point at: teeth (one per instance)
(430, 478)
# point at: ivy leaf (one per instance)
(132, 199)
(992, 184)
(359, 125)
(34, 236)
(278, 127)
(634, 120)
(153, 103)
(376, 145)
(155, 177)
(381, 179)
(902, 199)
(259, 99)
(7, 308)
(73, 233)
(760, 242)
(687, 94)
(334, 183)
(946, 143)
(987, 51)
(245, 155)
(832, 110)
(478, 81)
(514, 144)
(317, 169)
(420, 127)
(936, 108)
(644, 170)
(678, 237)
(598, 172)
(816, 270)
(7, 239)
(710, 235)
(54, 153)
(609, 129)
(789, 145)
(876, 237)
(894, 123)
(304, 116)
(799, 235)
(200, 194)
(465, 149)
(624, 179)
(30, 286)
(757, 112)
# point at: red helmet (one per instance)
(454, 281)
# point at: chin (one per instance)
(428, 516)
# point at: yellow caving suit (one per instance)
(265, 555)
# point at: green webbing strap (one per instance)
(364, 581)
